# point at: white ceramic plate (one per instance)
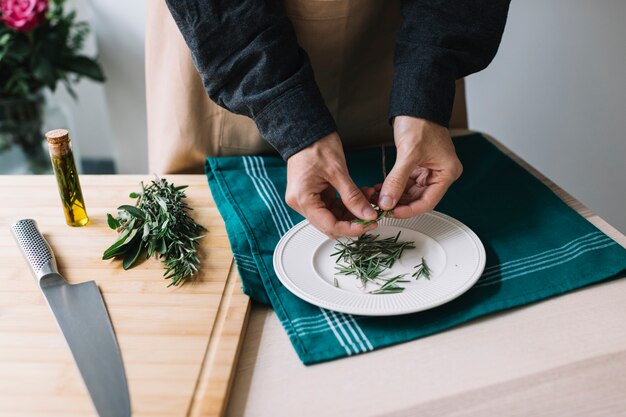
(452, 251)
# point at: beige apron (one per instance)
(350, 44)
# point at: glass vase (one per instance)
(22, 146)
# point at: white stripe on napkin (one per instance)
(255, 168)
(552, 263)
(255, 182)
(244, 262)
(332, 327)
(340, 316)
(542, 256)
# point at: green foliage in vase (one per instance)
(32, 58)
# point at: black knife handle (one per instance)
(36, 250)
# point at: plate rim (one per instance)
(294, 289)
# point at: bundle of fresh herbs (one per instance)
(368, 257)
(158, 224)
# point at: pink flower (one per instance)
(23, 15)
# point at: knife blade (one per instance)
(84, 321)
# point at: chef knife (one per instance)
(84, 321)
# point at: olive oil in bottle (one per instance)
(66, 174)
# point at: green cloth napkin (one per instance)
(537, 247)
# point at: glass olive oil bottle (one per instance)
(66, 174)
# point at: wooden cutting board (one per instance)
(179, 345)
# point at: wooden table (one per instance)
(565, 356)
(179, 345)
(561, 357)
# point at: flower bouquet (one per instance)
(40, 46)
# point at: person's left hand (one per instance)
(426, 165)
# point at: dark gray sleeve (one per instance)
(438, 42)
(247, 55)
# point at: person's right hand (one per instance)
(313, 175)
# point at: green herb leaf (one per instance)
(381, 214)
(113, 224)
(162, 247)
(422, 270)
(393, 290)
(132, 254)
(133, 211)
(112, 250)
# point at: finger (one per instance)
(335, 205)
(369, 193)
(324, 220)
(353, 198)
(422, 176)
(340, 211)
(319, 214)
(428, 200)
(411, 194)
(395, 184)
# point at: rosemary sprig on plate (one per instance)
(158, 224)
(422, 270)
(368, 257)
(390, 286)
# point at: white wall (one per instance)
(110, 119)
(556, 95)
(120, 30)
(90, 124)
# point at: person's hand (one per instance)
(426, 165)
(313, 175)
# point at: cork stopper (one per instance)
(59, 142)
